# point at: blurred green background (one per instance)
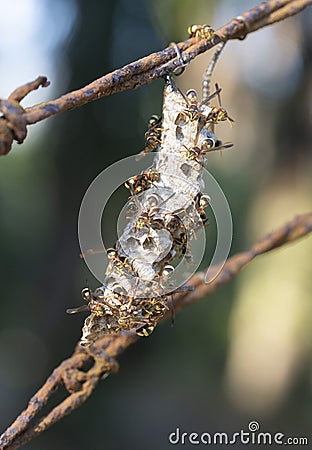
(242, 354)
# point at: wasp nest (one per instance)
(166, 210)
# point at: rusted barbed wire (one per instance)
(80, 382)
(13, 123)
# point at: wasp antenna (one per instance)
(218, 90)
(78, 309)
(231, 121)
(172, 310)
(225, 145)
(211, 96)
(185, 98)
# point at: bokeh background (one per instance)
(242, 354)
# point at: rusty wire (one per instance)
(80, 382)
(13, 123)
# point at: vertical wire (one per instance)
(207, 75)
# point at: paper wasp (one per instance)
(152, 136)
(201, 202)
(140, 183)
(200, 31)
